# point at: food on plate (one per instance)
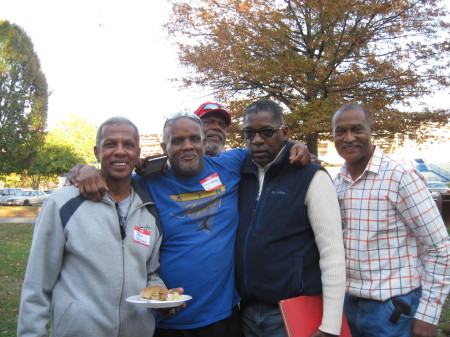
(175, 297)
(158, 293)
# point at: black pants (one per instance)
(228, 327)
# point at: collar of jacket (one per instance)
(250, 167)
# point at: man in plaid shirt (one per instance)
(397, 246)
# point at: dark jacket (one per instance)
(276, 253)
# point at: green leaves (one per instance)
(23, 100)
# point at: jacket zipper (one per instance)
(123, 236)
(123, 258)
(253, 223)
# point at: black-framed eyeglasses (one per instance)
(265, 133)
(189, 115)
(214, 106)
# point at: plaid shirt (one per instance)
(394, 236)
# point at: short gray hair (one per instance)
(114, 120)
(357, 107)
(168, 125)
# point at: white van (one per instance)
(9, 192)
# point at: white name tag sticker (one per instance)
(211, 182)
(141, 236)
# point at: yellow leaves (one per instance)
(314, 55)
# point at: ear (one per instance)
(285, 130)
(97, 154)
(163, 147)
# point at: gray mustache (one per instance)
(353, 144)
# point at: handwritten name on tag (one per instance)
(141, 236)
(211, 182)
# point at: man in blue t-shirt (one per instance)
(197, 198)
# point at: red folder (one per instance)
(302, 316)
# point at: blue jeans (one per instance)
(370, 318)
(262, 320)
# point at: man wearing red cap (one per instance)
(215, 120)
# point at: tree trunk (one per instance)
(311, 143)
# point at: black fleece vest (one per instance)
(276, 253)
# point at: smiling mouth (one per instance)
(119, 164)
(189, 157)
(351, 147)
(215, 138)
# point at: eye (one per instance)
(176, 141)
(129, 145)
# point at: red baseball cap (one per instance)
(208, 107)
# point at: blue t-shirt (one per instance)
(199, 217)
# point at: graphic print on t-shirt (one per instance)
(201, 206)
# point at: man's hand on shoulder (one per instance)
(299, 154)
(315, 159)
(72, 176)
(90, 181)
(423, 329)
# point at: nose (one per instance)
(187, 145)
(258, 139)
(216, 125)
(120, 149)
(349, 136)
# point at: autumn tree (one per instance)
(23, 100)
(314, 55)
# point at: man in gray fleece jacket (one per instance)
(87, 257)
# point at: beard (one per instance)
(212, 149)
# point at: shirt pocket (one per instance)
(371, 209)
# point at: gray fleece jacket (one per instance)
(80, 271)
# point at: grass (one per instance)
(26, 211)
(444, 323)
(14, 248)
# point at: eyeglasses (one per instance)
(214, 106)
(265, 133)
(189, 115)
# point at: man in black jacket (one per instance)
(289, 239)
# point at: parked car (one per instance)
(25, 198)
(436, 188)
(9, 192)
(48, 192)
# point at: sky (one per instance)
(105, 58)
